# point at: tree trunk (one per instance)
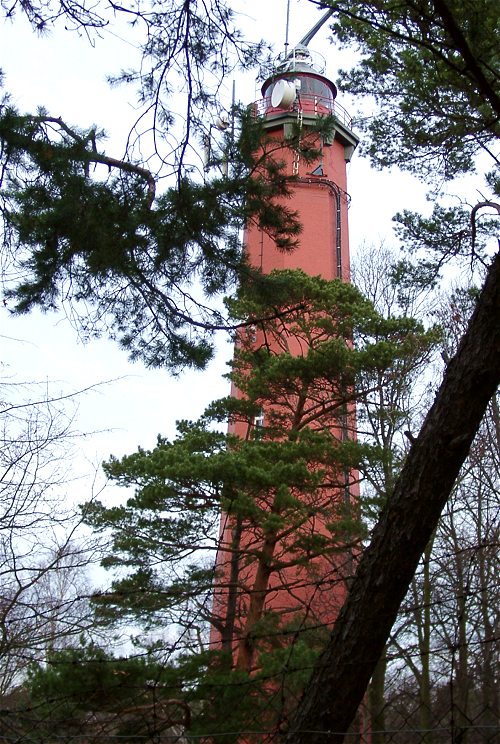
(227, 633)
(385, 570)
(260, 588)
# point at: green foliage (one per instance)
(447, 234)
(286, 487)
(86, 689)
(128, 262)
(432, 68)
(230, 703)
(186, 49)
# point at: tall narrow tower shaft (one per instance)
(293, 99)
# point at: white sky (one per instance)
(66, 75)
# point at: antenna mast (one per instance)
(310, 34)
(287, 25)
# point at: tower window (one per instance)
(259, 419)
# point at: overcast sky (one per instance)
(67, 75)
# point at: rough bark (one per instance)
(260, 589)
(385, 570)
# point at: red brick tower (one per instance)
(293, 99)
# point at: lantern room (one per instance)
(298, 87)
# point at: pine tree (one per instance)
(286, 484)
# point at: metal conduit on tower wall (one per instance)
(338, 238)
(337, 233)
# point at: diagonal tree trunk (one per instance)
(385, 570)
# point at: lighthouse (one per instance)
(257, 574)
